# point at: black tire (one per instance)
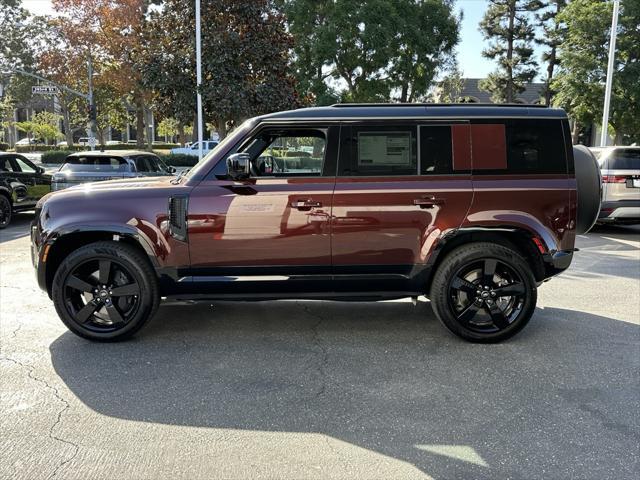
(478, 314)
(105, 291)
(6, 211)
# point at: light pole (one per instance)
(199, 78)
(609, 82)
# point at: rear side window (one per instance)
(436, 150)
(379, 151)
(94, 164)
(623, 159)
(518, 146)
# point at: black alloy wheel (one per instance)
(102, 295)
(487, 295)
(484, 292)
(105, 291)
(5, 211)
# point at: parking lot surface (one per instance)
(328, 390)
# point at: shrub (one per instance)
(291, 153)
(179, 160)
(55, 157)
(4, 147)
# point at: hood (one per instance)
(126, 183)
(114, 191)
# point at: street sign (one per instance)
(45, 89)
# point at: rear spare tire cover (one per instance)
(589, 184)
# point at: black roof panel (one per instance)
(416, 110)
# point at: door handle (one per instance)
(428, 202)
(305, 204)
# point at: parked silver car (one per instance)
(95, 166)
(620, 168)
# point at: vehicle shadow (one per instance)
(558, 401)
(18, 228)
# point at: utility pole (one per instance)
(199, 78)
(609, 82)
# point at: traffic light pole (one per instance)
(88, 97)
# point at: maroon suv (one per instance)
(473, 206)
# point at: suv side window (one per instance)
(6, 165)
(24, 166)
(436, 150)
(519, 146)
(379, 151)
(287, 153)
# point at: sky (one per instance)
(469, 50)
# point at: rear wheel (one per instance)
(5, 211)
(105, 291)
(484, 292)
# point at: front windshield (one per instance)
(228, 141)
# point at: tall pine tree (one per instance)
(507, 24)
(553, 32)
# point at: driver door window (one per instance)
(293, 153)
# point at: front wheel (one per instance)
(105, 291)
(484, 292)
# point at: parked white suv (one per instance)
(620, 168)
(193, 149)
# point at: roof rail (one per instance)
(520, 105)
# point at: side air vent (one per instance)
(178, 217)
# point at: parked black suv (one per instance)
(22, 184)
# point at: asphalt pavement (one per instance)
(319, 390)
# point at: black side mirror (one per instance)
(238, 166)
(39, 170)
(171, 169)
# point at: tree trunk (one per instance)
(66, 120)
(404, 92)
(550, 67)
(509, 90)
(139, 121)
(149, 130)
(221, 125)
(575, 132)
(194, 133)
(181, 133)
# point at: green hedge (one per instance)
(56, 157)
(80, 148)
(179, 160)
(4, 147)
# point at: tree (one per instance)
(168, 127)
(450, 88)
(27, 127)
(46, 126)
(553, 33)
(377, 48)
(245, 62)
(507, 25)
(112, 34)
(18, 42)
(583, 66)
